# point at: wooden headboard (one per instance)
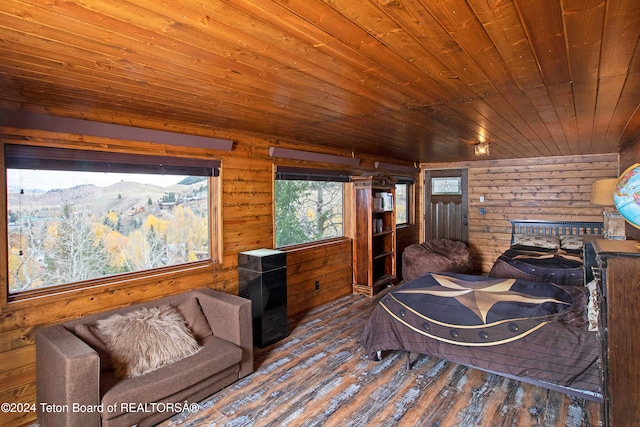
(555, 228)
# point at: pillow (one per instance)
(195, 318)
(537, 240)
(571, 242)
(146, 339)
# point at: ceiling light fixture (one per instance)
(481, 149)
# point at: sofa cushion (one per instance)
(90, 334)
(195, 318)
(146, 339)
(216, 356)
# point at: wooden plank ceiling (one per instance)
(414, 80)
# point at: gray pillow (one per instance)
(195, 318)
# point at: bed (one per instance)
(546, 251)
(535, 332)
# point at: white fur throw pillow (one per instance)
(146, 339)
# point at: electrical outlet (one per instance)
(317, 285)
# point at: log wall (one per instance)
(553, 188)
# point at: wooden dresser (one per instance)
(617, 271)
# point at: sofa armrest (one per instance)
(229, 317)
(67, 375)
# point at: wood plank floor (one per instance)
(320, 376)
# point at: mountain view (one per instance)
(88, 231)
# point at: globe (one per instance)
(627, 195)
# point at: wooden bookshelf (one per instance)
(373, 228)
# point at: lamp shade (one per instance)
(602, 192)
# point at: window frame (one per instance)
(410, 183)
(46, 157)
(310, 174)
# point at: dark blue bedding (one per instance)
(541, 265)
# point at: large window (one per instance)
(74, 216)
(309, 205)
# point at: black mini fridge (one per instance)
(262, 278)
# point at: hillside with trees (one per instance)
(85, 232)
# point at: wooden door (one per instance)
(446, 205)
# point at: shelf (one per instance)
(384, 280)
(385, 254)
(383, 233)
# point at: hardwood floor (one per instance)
(320, 376)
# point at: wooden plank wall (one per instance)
(247, 212)
(406, 235)
(326, 264)
(553, 188)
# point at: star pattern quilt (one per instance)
(541, 265)
(533, 331)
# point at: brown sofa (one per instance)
(76, 384)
